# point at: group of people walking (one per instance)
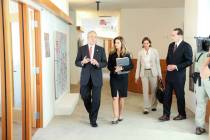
(92, 59)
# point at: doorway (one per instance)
(22, 74)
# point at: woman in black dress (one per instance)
(118, 81)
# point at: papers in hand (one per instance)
(122, 62)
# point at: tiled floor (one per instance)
(135, 125)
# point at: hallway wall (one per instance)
(50, 24)
(156, 23)
(74, 35)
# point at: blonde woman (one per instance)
(118, 82)
(148, 68)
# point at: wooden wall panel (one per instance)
(132, 86)
(8, 69)
(55, 10)
(39, 122)
(20, 6)
(2, 77)
(27, 73)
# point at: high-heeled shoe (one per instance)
(115, 121)
(120, 119)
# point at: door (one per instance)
(2, 81)
(34, 42)
(17, 70)
(18, 73)
(33, 68)
(20, 70)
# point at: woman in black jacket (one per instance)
(118, 77)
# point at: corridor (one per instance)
(134, 126)
(39, 81)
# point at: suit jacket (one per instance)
(182, 58)
(155, 64)
(112, 65)
(89, 70)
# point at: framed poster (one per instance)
(47, 44)
(60, 64)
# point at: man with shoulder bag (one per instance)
(202, 88)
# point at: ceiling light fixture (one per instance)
(98, 4)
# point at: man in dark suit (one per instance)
(179, 57)
(92, 59)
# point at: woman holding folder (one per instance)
(148, 68)
(119, 76)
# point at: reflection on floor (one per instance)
(34, 131)
(17, 131)
(135, 125)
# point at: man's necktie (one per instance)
(90, 51)
(175, 47)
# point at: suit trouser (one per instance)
(91, 99)
(149, 79)
(202, 96)
(178, 86)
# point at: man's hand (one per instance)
(118, 68)
(85, 60)
(159, 78)
(94, 62)
(171, 67)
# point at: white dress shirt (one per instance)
(177, 43)
(147, 59)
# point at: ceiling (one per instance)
(125, 4)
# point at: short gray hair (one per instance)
(90, 32)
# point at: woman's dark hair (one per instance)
(146, 39)
(205, 45)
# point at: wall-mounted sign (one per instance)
(47, 44)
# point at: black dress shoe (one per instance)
(164, 118)
(115, 122)
(94, 124)
(154, 109)
(179, 117)
(145, 112)
(199, 131)
(120, 119)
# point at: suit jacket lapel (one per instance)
(95, 51)
(180, 44)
